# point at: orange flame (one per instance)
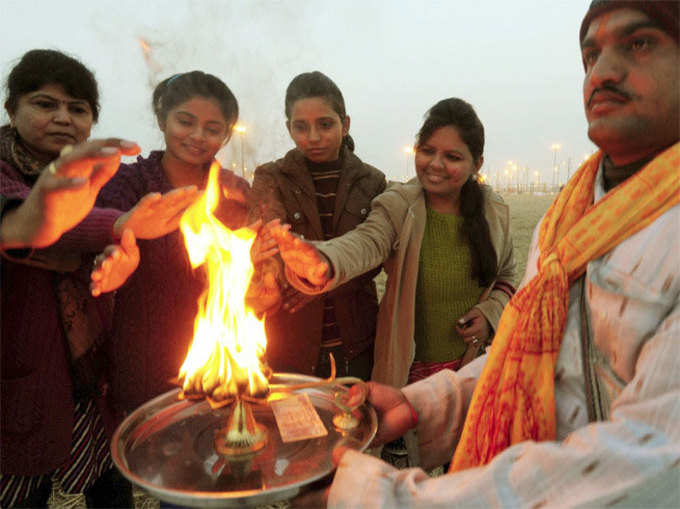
(225, 357)
(146, 51)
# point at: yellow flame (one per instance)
(146, 49)
(225, 357)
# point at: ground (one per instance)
(525, 212)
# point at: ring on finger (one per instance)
(475, 340)
(52, 168)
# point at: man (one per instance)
(578, 402)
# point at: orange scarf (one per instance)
(514, 399)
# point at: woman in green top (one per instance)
(445, 243)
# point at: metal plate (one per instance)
(166, 447)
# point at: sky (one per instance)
(516, 61)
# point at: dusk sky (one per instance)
(517, 62)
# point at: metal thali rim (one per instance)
(216, 498)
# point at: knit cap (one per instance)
(665, 12)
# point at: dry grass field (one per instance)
(525, 212)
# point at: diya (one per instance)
(236, 434)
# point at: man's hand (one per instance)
(317, 495)
(301, 257)
(395, 417)
(64, 193)
(114, 265)
(395, 414)
(156, 215)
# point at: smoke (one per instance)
(516, 62)
(255, 55)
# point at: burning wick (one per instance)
(242, 435)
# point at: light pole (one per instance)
(568, 168)
(408, 150)
(241, 130)
(554, 147)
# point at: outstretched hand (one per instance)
(156, 215)
(395, 414)
(64, 193)
(301, 257)
(395, 417)
(263, 295)
(265, 245)
(114, 265)
(264, 292)
(232, 209)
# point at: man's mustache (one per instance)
(610, 89)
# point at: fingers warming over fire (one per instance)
(301, 257)
(156, 214)
(115, 265)
(265, 245)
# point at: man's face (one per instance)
(631, 92)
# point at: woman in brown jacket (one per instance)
(445, 243)
(323, 190)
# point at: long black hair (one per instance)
(317, 84)
(460, 115)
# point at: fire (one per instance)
(146, 51)
(145, 46)
(225, 357)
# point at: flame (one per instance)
(146, 51)
(225, 357)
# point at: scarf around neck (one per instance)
(514, 399)
(14, 153)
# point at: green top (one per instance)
(445, 289)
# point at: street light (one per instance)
(241, 130)
(408, 150)
(554, 147)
